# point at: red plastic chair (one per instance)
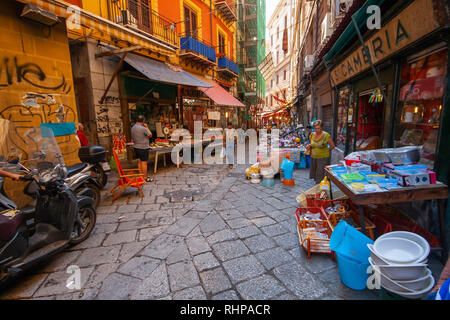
(126, 178)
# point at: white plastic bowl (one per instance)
(402, 272)
(380, 261)
(418, 284)
(419, 293)
(413, 237)
(398, 250)
(390, 284)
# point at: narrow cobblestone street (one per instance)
(201, 232)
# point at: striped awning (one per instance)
(82, 23)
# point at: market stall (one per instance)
(366, 181)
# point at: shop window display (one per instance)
(343, 103)
(370, 118)
(420, 104)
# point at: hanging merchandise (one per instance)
(376, 96)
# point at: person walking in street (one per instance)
(320, 146)
(230, 136)
(81, 136)
(306, 140)
(140, 134)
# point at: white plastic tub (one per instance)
(398, 250)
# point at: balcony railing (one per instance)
(227, 9)
(224, 62)
(138, 15)
(200, 47)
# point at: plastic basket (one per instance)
(399, 224)
(324, 204)
(308, 231)
(303, 210)
(313, 200)
(334, 219)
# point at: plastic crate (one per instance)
(308, 235)
(313, 200)
(399, 224)
(324, 204)
(302, 210)
(334, 219)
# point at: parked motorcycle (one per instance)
(85, 182)
(94, 162)
(59, 219)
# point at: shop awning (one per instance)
(161, 72)
(361, 18)
(221, 97)
(218, 94)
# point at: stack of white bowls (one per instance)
(400, 258)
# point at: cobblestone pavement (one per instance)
(201, 232)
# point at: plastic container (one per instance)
(350, 161)
(352, 255)
(268, 182)
(288, 169)
(314, 236)
(398, 250)
(92, 154)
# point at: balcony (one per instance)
(226, 66)
(137, 15)
(196, 51)
(227, 9)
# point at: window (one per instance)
(277, 83)
(284, 74)
(271, 84)
(278, 32)
(190, 22)
(420, 104)
(271, 40)
(221, 43)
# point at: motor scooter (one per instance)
(93, 162)
(59, 219)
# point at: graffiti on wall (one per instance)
(43, 109)
(13, 72)
(35, 108)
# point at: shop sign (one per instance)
(213, 115)
(395, 35)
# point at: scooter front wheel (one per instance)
(84, 224)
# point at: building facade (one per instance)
(251, 28)
(280, 30)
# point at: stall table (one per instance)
(437, 191)
(165, 150)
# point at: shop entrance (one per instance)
(369, 120)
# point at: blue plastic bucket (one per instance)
(288, 169)
(352, 255)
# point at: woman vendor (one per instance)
(320, 146)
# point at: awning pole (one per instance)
(375, 73)
(112, 78)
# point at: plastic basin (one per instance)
(398, 250)
(410, 236)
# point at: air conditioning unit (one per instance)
(309, 63)
(126, 19)
(326, 29)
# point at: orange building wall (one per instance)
(172, 10)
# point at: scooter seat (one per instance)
(71, 170)
(10, 221)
